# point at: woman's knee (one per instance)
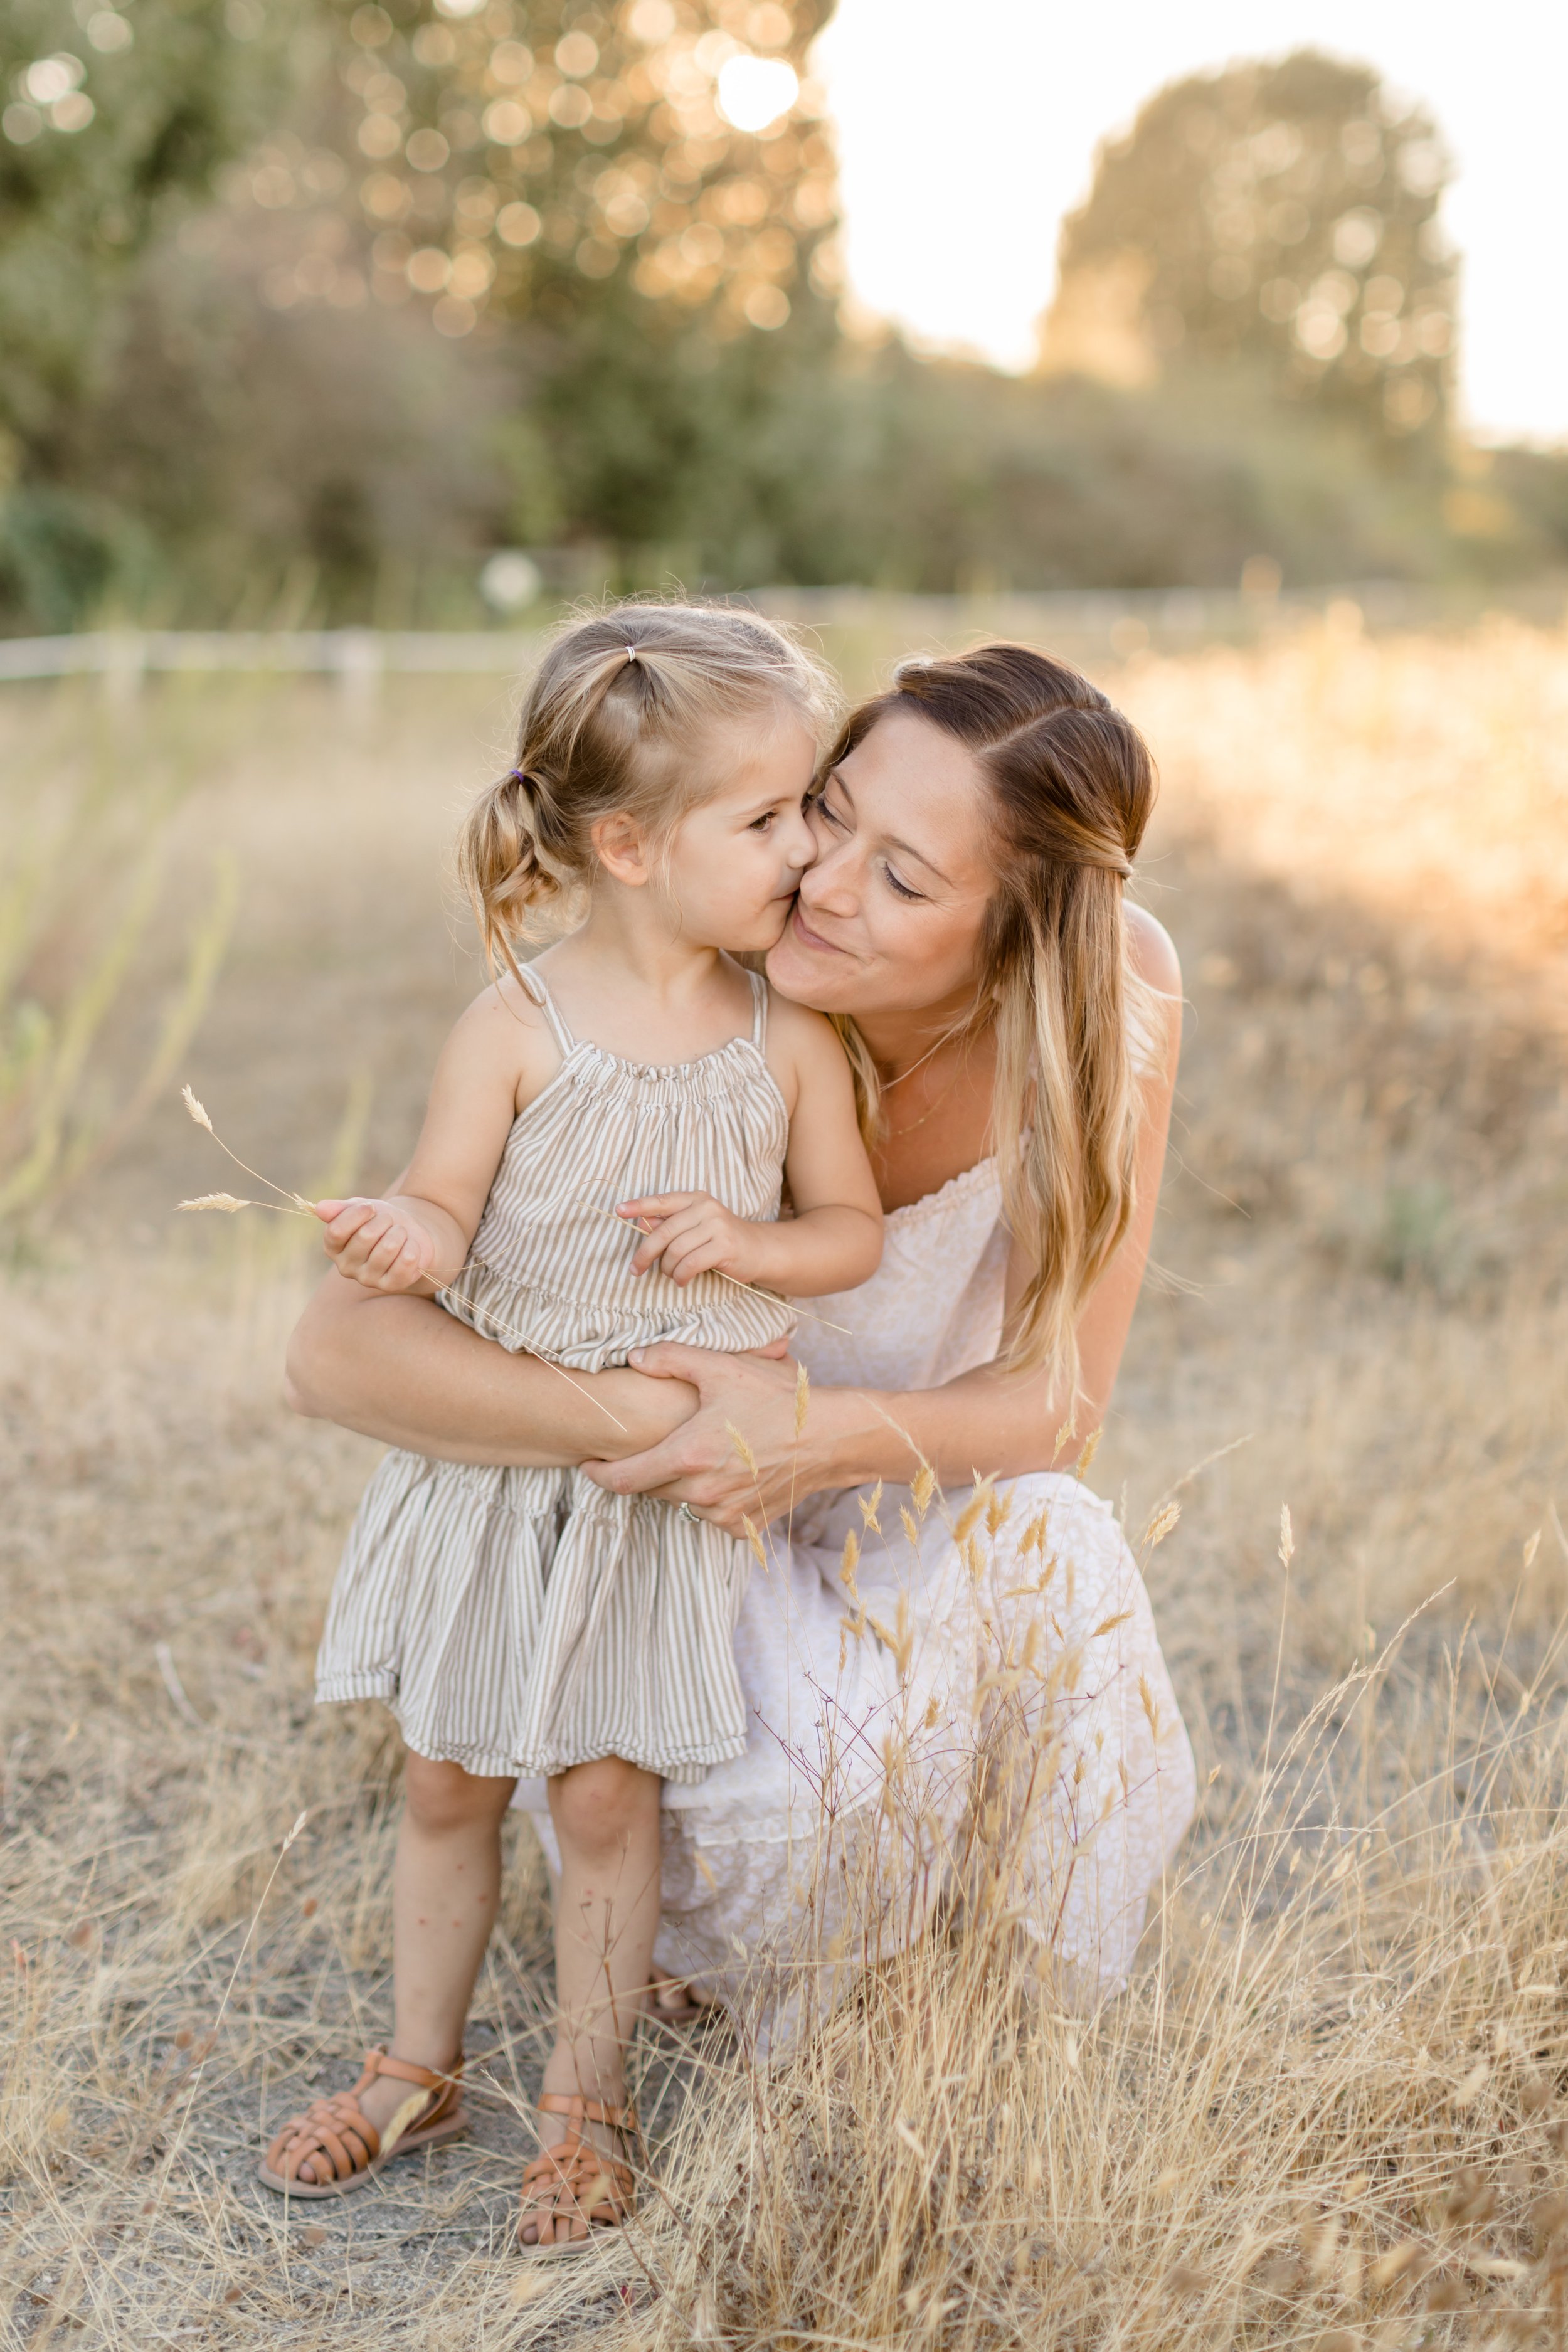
(441, 1796)
(597, 1807)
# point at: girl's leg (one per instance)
(445, 1891)
(606, 1916)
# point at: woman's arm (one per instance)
(991, 1422)
(403, 1370)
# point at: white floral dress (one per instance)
(849, 1694)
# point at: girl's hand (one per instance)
(692, 1233)
(377, 1243)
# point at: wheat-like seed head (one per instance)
(1160, 1525)
(225, 1200)
(197, 1109)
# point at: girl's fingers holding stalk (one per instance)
(345, 1219)
(358, 1241)
(658, 1236)
(696, 1240)
(387, 1252)
(692, 1255)
(661, 1216)
(657, 1204)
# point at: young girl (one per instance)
(600, 1167)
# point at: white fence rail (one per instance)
(355, 655)
(1117, 622)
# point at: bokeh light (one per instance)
(510, 581)
(755, 91)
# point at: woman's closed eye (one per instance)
(836, 818)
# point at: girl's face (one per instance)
(889, 916)
(733, 863)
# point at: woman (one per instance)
(1017, 1028)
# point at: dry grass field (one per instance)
(1332, 2110)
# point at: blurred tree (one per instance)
(563, 273)
(102, 118)
(623, 213)
(646, 194)
(539, 158)
(1282, 214)
(639, 200)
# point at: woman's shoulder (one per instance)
(1152, 951)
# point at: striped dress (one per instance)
(524, 1620)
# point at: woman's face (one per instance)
(889, 917)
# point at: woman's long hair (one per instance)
(1071, 785)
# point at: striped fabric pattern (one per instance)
(524, 1620)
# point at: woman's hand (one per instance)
(741, 1455)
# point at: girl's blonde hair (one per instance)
(622, 716)
(1071, 786)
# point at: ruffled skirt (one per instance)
(524, 1620)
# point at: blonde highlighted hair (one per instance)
(632, 712)
(1071, 788)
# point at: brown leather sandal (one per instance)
(333, 2135)
(574, 2184)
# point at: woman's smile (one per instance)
(806, 936)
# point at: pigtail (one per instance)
(503, 861)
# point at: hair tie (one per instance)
(631, 653)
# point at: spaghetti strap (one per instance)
(760, 1010)
(534, 983)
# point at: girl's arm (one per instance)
(991, 1422)
(497, 1058)
(833, 1238)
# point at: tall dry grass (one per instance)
(85, 837)
(1329, 2110)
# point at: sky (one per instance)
(967, 127)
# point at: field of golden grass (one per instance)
(1332, 2110)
